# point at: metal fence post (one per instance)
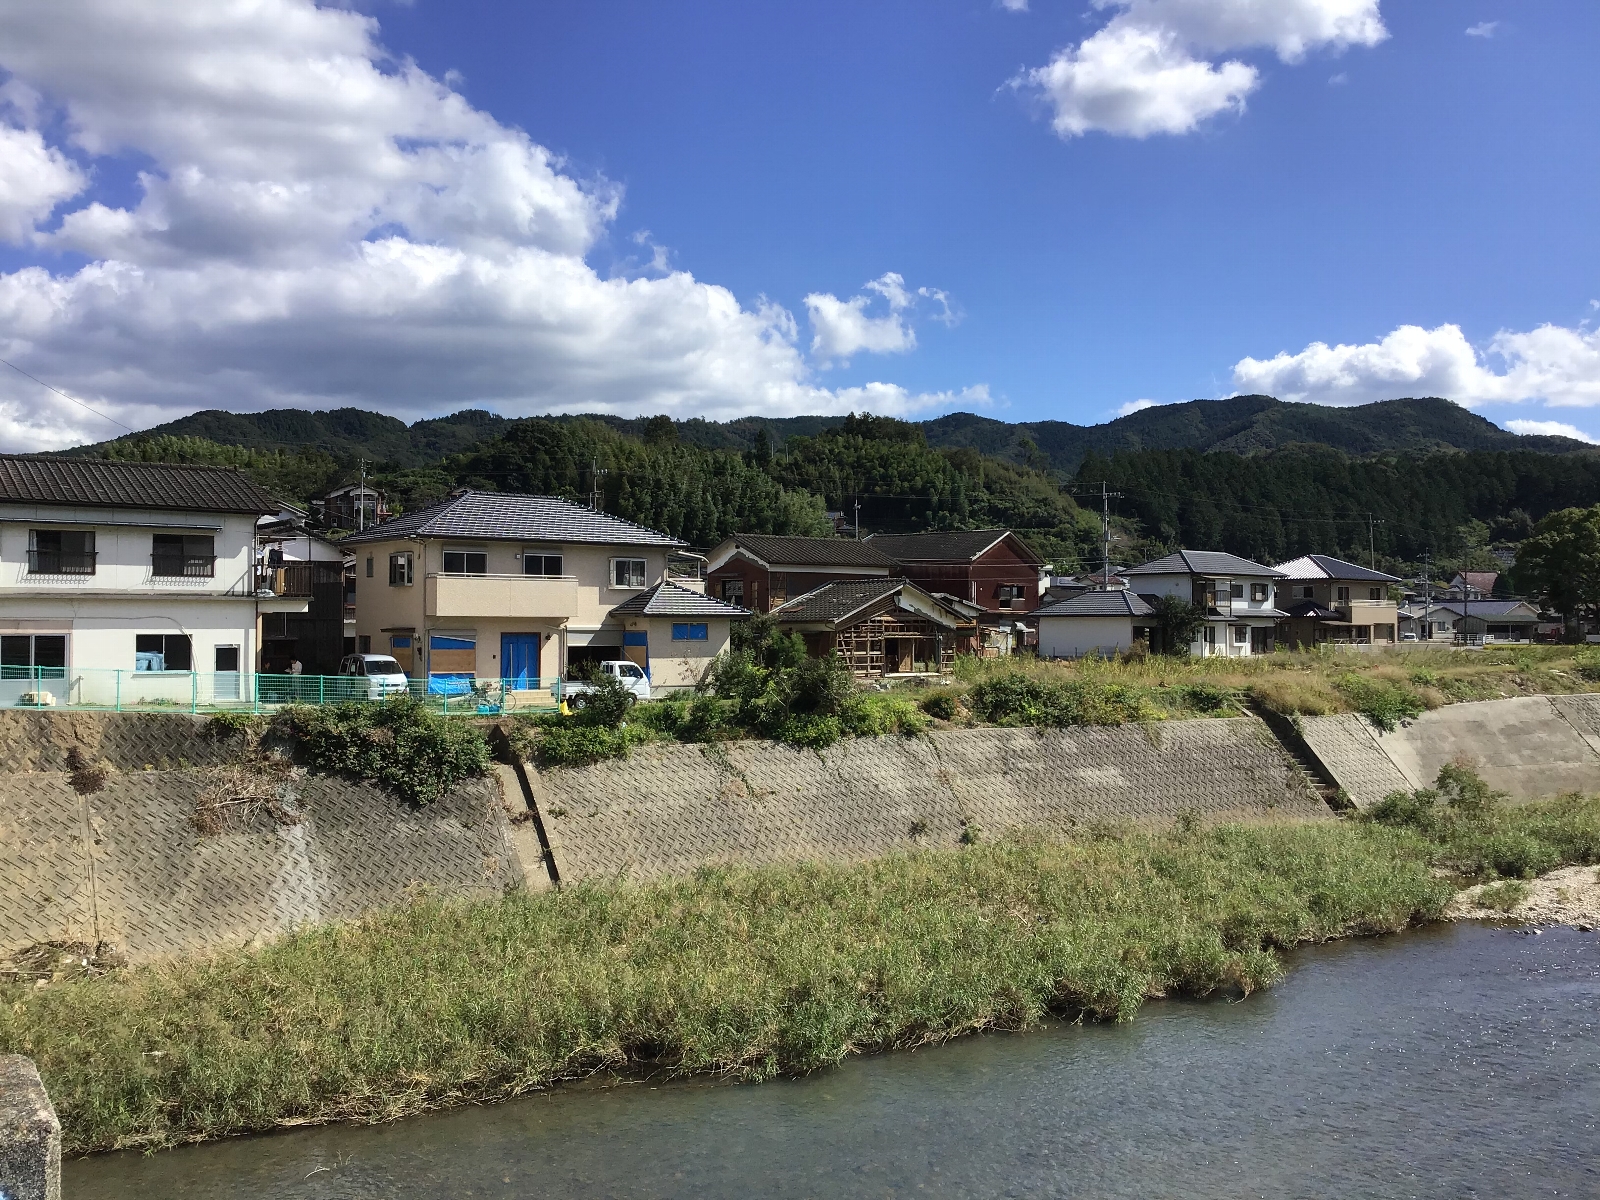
(194, 691)
(118, 690)
(322, 689)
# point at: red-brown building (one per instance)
(992, 568)
(760, 571)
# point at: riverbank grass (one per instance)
(750, 972)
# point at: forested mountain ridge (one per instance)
(1242, 424)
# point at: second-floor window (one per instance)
(1236, 591)
(1009, 593)
(1258, 591)
(183, 556)
(541, 562)
(466, 562)
(1343, 595)
(400, 569)
(1305, 591)
(61, 552)
(733, 591)
(1374, 593)
(627, 572)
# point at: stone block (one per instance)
(30, 1135)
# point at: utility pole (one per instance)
(595, 472)
(1372, 554)
(857, 525)
(1105, 529)
(1427, 593)
(361, 499)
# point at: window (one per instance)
(688, 632)
(1374, 593)
(733, 591)
(1236, 591)
(466, 562)
(1211, 635)
(183, 556)
(369, 566)
(540, 562)
(627, 572)
(1258, 591)
(400, 569)
(364, 644)
(1343, 595)
(60, 552)
(1009, 593)
(33, 656)
(162, 652)
(1305, 591)
(227, 658)
(1241, 634)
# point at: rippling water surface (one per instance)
(1455, 1062)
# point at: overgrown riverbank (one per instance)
(750, 972)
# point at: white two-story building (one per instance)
(1239, 597)
(121, 581)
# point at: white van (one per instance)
(382, 674)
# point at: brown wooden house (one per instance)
(760, 571)
(992, 568)
(878, 626)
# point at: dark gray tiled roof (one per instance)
(777, 550)
(668, 599)
(507, 516)
(1325, 566)
(956, 545)
(837, 599)
(1117, 603)
(1317, 612)
(99, 483)
(1203, 562)
(1489, 610)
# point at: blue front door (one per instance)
(519, 660)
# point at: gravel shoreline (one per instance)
(1570, 896)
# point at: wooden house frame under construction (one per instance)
(878, 626)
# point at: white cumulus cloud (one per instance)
(843, 328)
(1552, 429)
(1555, 364)
(1483, 29)
(318, 224)
(1133, 406)
(1147, 71)
(1013, 5)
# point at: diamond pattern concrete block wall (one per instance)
(44, 865)
(669, 809)
(41, 740)
(1351, 753)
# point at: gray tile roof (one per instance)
(1489, 610)
(100, 483)
(956, 545)
(1117, 603)
(781, 551)
(1325, 566)
(1203, 562)
(507, 516)
(668, 599)
(836, 601)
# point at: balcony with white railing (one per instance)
(522, 597)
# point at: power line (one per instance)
(64, 396)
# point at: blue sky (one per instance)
(1416, 196)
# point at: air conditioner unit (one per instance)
(37, 699)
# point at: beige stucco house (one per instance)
(490, 585)
(1329, 601)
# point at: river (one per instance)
(1456, 1061)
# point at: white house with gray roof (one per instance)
(1239, 598)
(492, 585)
(1103, 623)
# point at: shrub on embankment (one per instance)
(399, 744)
(754, 972)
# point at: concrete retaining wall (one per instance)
(126, 866)
(1529, 746)
(670, 808)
